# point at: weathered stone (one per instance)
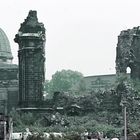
(128, 52)
(31, 54)
(8, 76)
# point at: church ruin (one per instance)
(128, 52)
(31, 55)
(22, 86)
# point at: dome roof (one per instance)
(5, 49)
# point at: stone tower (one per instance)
(128, 52)
(31, 55)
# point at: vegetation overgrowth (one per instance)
(93, 111)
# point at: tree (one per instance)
(47, 86)
(64, 80)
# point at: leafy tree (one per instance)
(82, 86)
(64, 80)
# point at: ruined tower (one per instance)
(31, 55)
(128, 52)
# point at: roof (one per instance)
(106, 75)
(5, 49)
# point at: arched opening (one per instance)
(128, 70)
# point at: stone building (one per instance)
(100, 82)
(31, 55)
(8, 76)
(22, 86)
(31, 40)
(128, 52)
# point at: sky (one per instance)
(81, 35)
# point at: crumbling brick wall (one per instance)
(128, 52)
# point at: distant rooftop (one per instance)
(100, 75)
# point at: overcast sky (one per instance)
(81, 35)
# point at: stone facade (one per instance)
(8, 87)
(8, 76)
(128, 52)
(100, 82)
(31, 54)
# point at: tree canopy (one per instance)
(64, 80)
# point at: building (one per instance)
(31, 40)
(8, 76)
(128, 53)
(31, 54)
(22, 86)
(100, 82)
